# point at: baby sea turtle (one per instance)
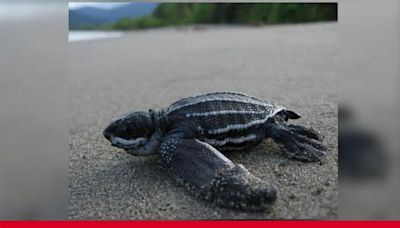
(191, 133)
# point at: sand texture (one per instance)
(293, 66)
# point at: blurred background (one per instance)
(369, 126)
(34, 101)
(99, 17)
(133, 16)
(35, 96)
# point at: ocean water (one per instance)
(75, 36)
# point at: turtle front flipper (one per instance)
(208, 174)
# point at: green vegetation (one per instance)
(137, 23)
(170, 14)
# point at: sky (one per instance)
(104, 5)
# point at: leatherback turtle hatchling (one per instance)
(191, 132)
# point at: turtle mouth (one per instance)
(128, 143)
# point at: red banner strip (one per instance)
(198, 224)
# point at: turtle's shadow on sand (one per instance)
(267, 150)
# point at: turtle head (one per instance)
(135, 132)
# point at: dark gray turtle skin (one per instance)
(193, 135)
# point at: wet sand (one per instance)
(293, 66)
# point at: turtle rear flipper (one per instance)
(298, 142)
(208, 174)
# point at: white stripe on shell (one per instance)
(215, 113)
(244, 126)
(220, 99)
(238, 140)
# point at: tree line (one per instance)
(170, 14)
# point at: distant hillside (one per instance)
(77, 19)
(92, 16)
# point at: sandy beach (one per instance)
(292, 65)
